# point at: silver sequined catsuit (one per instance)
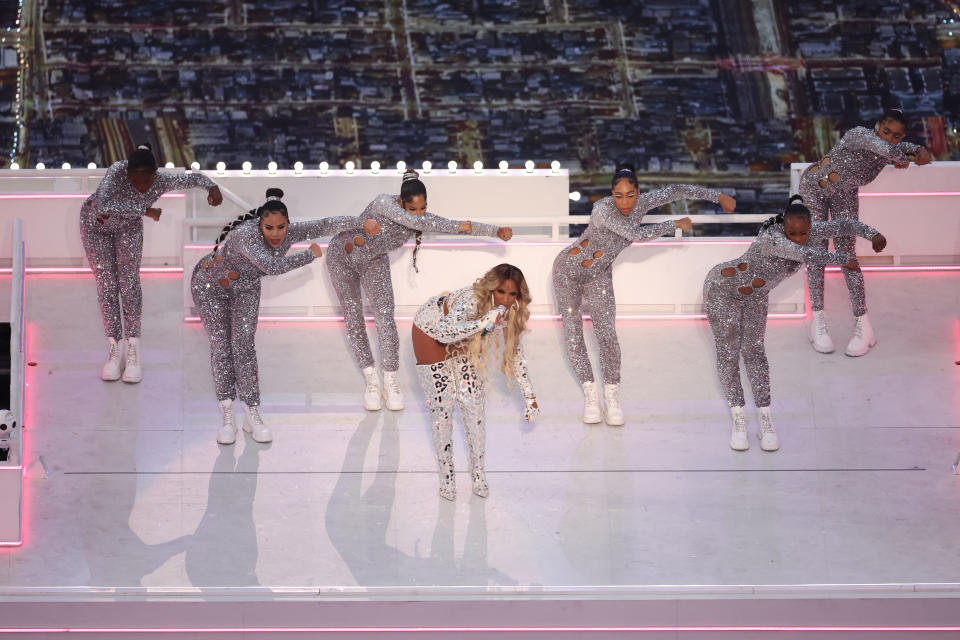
(829, 189)
(226, 291)
(583, 273)
(736, 304)
(367, 264)
(456, 380)
(111, 229)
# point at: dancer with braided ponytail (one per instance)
(357, 259)
(452, 336)
(735, 296)
(226, 290)
(111, 228)
(830, 188)
(583, 272)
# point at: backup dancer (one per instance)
(226, 290)
(111, 229)
(829, 188)
(735, 296)
(583, 273)
(452, 333)
(356, 260)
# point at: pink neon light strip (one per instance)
(368, 630)
(895, 194)
(651, 316)
(891, 268)
(525, 243)
(65, 196)
(85, 270)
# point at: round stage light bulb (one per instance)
(14, 166)
(195, 166)
(324, 166)
(272, 167)
(478, 167)
(575, 196)
(41, 166)
(504, 165)
(350, 166)
(375, 166)
(555, 166)
(528, 165)
(169, 165)
(298, 167)
(401, 166)
(427, 165)
(221, 167)
(452, 166)
(65, 166)
(246, 166)
(91, 165)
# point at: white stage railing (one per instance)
(11, 471)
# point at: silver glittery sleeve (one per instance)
(251, 244)
(823, 230)
(109, 201)
(181, 181)
(521, 374)
(388, 207)
(780, 246)
(909, 148)
(659, 197)
(483, 229)
(867, 140)
(309, 229)
(461, 319)
(625, 227)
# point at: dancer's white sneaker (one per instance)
(132, 372)
(818, 335)
(738, 435)
(591, 404)
(114, 365)
(372, 395)
(392, 388)
(227, 433)
(863, 339)
(614, 412)
(253, 424)
(767, 434)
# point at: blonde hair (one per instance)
(516, 321)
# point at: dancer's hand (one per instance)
(317, 251)
(879, 242)
(531, 410)
(214, 197)
(902, 165)
(727, 203)
(684, 224)
(853, 265)
(154, 213)
(923, 157)
(505, 233)
(371, 227)
(465, 227)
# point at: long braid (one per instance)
(230, 226)
(416, 248)
(410, 188)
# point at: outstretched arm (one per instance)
(866, 140)
(321, 227)
(531, 407)
(781, 247)
(252, 247)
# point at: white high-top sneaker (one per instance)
(767, 434)
(372, 396)
(614, 413)
(114, 364)
(253, 424)
(738, 436)
(392, 386)
(817, 333)
(863, 338)
(591, 404)
(227, 433)
(132, 372)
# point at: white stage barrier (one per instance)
(11, 470)
(917, 209)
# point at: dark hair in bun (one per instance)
(142, 159)
(795, 209)
(624, 171)
(895, 114)
(411, 186)
(272, 205)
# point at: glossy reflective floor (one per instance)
(138, 494)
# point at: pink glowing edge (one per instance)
(65, 196)
(628, 316)
(368, 630)
(85, 270)
(905, 194)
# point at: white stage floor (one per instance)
(138, 494)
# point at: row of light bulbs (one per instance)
(324, 167)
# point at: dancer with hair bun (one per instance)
(583, 273)
(226, 290)
(357, 258)
(452, 336)
(735, 294)
(111, 229)
(830, 189)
